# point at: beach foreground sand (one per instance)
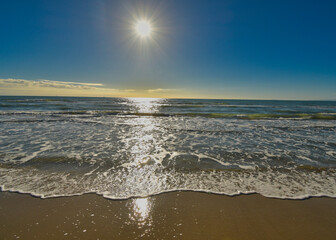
(176, 215)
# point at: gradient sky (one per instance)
(199, 49)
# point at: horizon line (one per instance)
(250, 99)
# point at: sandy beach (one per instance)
(180, 215)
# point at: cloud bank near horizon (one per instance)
(12, 86)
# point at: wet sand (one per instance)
(176, 215)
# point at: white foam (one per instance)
(43, 148)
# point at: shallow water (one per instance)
(120, 148)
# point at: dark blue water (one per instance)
(202, 107)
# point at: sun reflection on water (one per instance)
(141, 208)
(141, 212)
(144, 144)
(146, 105)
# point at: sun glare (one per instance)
(143, 28)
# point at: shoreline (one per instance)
(301, 198)
(172, 215)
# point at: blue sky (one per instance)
(206, 49)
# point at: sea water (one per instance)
(131, 147)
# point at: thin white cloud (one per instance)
(11, 86)
(160, 90)
(11, 82)
(73, 83)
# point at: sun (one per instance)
(143, 28)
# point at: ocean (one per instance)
(132, 147)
